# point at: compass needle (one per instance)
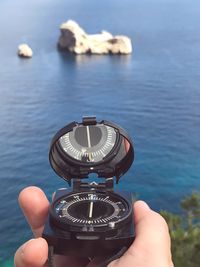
(88, 136)
(91, 209)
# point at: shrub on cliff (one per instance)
(185, 232)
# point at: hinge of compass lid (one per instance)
(89, 120)
(78, 185)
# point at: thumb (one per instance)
(151, 246)
(152, 234)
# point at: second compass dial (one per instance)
(90, 143)
(91, 209)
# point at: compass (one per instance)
(98, 211)
(90, 218)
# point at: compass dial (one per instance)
(91, 143)
(91, 209)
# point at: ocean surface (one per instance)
(153, 93)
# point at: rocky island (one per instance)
(25, 51)
(74, 39)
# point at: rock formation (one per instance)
(74, 39)
(25, 51)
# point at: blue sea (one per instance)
(153, 93)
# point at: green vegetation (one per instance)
(185, 232)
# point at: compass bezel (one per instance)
(89, 144)
(67, 224)
(108, 157)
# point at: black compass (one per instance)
(91, 219)
(97, 210)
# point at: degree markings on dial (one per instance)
(99, 154)
(89, 197)
(69, 146)
(102, 153)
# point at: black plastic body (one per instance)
(89, 244)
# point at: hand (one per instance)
(151, 247)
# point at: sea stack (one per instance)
(25, 51)
(74, 39)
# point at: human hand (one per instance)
(151, 247)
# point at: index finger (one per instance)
(35, 207)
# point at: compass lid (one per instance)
(91, 146)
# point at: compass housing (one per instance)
(90, 219)
(79, 149)
(81, 239)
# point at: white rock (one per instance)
(25, 51)
(76, 40)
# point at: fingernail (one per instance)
(142, 205)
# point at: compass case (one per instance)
(82, 244)
(100, 222)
